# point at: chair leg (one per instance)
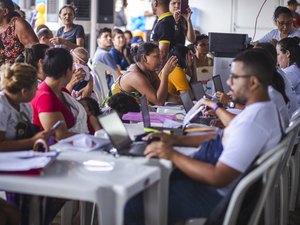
(284, 197)
(294, 170)
(270, 207)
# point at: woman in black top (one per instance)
(184, 28)
(70, 35)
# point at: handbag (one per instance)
(24, 128)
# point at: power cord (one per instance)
(255, 26)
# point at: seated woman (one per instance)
(118, 48)
(283, 19)
(141, 78)
(53, 102)
(177, 80)
(288, 57)
(70, 35)
(19, 84)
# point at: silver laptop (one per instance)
(118, 135)
(186, 101)
(198, 90)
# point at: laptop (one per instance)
(119, 137)
(218, 83)
(197, 118)
(198, 90)
(186, 101)
(191, 115)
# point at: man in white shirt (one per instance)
(202, 185)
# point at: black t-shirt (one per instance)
(164, 29)
(71, 35)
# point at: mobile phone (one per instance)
(57, 125)
(184, 6)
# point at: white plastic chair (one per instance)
(267, 168)
(282, 183)
(294, 165)
(99, 70)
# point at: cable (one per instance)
(255, 26)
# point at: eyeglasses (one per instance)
(282, 23)
(233, 77)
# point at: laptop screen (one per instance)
(198, 90)
(218, 83)
(186, 101)
(145, 111)
(116, 130)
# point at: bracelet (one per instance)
(216, 106)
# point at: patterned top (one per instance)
(10, 45)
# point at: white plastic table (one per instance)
(109, 185)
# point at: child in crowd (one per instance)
(80, 58)
(123, 103)
(92, 110)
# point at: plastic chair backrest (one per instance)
(99, 71)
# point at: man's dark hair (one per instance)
(164, 2)
(57, 62)
(103, 30)
(258, 63)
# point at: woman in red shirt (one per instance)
(52, 101)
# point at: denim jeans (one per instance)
(187, 199)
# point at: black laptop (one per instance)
(218, 83)
(118, 135)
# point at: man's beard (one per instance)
(240, 100)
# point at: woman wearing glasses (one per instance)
(283, 19)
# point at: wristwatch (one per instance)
(231, 105)
(217, 105)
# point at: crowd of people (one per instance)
(46, 78)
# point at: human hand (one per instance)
(223, 98)
(274, 42)
(207, 102)
(159, 149)
(56, 41)
(45, 134)
(166, 138)
(177, 15)
(84, 92)
(169, 66)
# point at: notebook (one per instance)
(119, 137)
(218, 83)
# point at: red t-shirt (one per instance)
(46, 101)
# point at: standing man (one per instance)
(164, 27)
(198, 185)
